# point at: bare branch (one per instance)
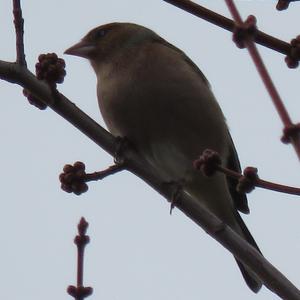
(221, 21)
(271, 277)
(266, 78)
(264, 183)
(80, 292)
(19, 28)
(210, 161)
(284, 4)
(74, 178)
(136, 164)
(59, 103)
(261, 38)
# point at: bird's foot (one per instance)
(177, 187)
(120, 145)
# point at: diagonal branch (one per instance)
(221, 21)
(291, 131)
(266, 78)
(271, 277)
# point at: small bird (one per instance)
(150, 92)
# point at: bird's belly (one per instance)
(171, 120)
(170, 129)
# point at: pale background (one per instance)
(137, 250)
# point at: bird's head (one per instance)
(102, 43)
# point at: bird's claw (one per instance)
(121, 145)
(177, 187)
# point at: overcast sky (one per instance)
(137, 250)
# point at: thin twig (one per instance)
(74, 178)
(79, 292)
(210, 161)
(104, 173)
(261, 38)
(81, 241)
(19, 28)
(281, 188)
(221, 21)
(266, 78)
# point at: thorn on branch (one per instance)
(292, 59)
(74, 178)
(244, 32)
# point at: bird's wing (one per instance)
(240, 200)
(184, 56)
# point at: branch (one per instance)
(284, 4)
(294, 136)
(210, 161)
(248, 34)
(271, 277)
(80, 292)
(19, 28)
(16, 74)
(221, 21)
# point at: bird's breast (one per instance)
(166, 110)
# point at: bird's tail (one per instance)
(252, 280)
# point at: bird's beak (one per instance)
(82, 49)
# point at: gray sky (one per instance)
(137, 250)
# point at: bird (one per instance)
(151, 93)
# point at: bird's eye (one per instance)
(100, 33)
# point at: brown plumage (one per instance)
(150, 92)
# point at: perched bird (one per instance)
(150, 92)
